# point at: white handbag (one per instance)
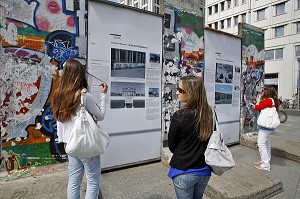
(268, 117)
(87, 139)
(217, 155)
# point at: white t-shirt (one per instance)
(64, 129)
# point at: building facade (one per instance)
(280, 20)
(157, 6)
(149, 5)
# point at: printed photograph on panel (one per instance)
(223, 94)
(224, 73)
(237, 69)
(154, 58)
(127, 95)
(127, 63)
(153, 92)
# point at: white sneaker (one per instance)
(263, 168)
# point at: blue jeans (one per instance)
(190, 186)
(77, 167)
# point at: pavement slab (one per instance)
(243, 181)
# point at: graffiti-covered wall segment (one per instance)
(37, 37)
(183, 52)
(252, 80)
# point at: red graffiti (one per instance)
(43, 23)
(12, 163)
(188, 29)
(198, 26)
(71, 21)
(53, 7)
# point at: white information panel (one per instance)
(222, 78)
(124, 50)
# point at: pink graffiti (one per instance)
(188, 30)
(53, 7)
(198, 26)
(43, 23)
(71, 21)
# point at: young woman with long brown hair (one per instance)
(267, 99)
(65, 104)
(190, 130)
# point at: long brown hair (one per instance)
(197, 101)
(270, 92)
(72, 80)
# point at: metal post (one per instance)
(298, 82)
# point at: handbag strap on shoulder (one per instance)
(215, 121)
(83, 97)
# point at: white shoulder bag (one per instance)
(268, 117)
(217, 155)
(87, 139)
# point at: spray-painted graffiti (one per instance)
(37, 37)
(252, 75)
(12, 164)
(61, 46)
(183, 54)
(192, 44)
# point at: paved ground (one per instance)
(148, 181)
(289, 130)
(151, 182)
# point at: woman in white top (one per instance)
(65, 104)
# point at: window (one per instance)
(244, 18)
(280, 8)
(209, 10)
(260, 14)
(145, 1)
(298, 27)
(298, 4)
(297, 48)
(236, 2)
(229, 22)
(243, 1)
(222, 6)
(236, 20)
(136, 5)
(279, 53)
(279, 31)
(274, 54)
(216, 8)
(222, 24)
(269, 54)
(156, 9)
(229, 4)
(209, 25)
(216, 25)
(157, 2)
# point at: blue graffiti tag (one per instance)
(61, 46)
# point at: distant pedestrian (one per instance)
(66, 103)
(190, 130)
(265, 100)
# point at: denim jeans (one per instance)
(77, 167)
(264, 147)
(190, 186)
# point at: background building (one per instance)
(280, 20)
(150, 5)
(157, 6)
